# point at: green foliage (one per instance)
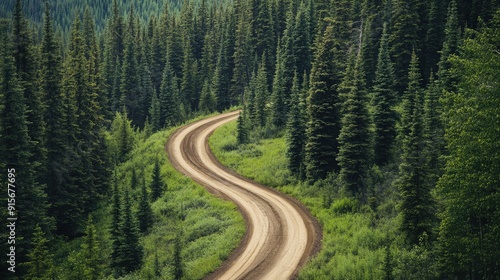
(345, 206)
(222, 79)
(388, 266)
(157, 186)
(355, 146)
(413, 182)
(469, 230)
(433, 130)
(323, 126)
(448, 79)
(278, 99)
(16, 147)
(154, 112)
(384, 116)
(87, 263)
(404, 38)
(115, 226)
(40, 260)
(130, 251)
(122, 138)
(144, 213)
(207, 99)
(177, 262)
(242, 130)
(65, 81)
(261, 96)
(171, 109)
(296, 131)
(241, 70)
(211, 228)
(351, 247)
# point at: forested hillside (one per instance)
(382, 97)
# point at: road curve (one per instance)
(280, 236)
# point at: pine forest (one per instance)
(381, 116)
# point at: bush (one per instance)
(345, 205)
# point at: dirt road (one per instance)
(281, 235)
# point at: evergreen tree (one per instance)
(75, 193)
(80, 85)
(434, 38)
(222, 80)
(207, 99)
(278, 107)
(261, 94)
(263, 34)
(387, 269)
(130, 251)
(130, 81)
(323, 126)
(115, 228)
(91, 252)
(286, 61)
(159, 33)
(384, 116)
(58, 179)
(123, 135)
(155, 112)
(413, 181)
(157, 185)
(372, 27)
(146, 85)
(87, 264)
(144, 213)
(404, 39)
(470, 219)
(354, 157)
(241, 69)
(40, 266)
(433, 130)
(27, 65)
(16, 148)
(447, 78)
(133, 180)
(175, 48)
(295, 132)
(408, 104)
(170, 105)
(302, 41)
(242, 133)
(188, 88)
(177, 262)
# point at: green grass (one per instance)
(210, 227)
(353, 238)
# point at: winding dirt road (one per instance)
(281, 235)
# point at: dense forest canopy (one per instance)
(409, 87)
(65, 11)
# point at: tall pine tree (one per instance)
(469, 230)
(15, 149)
(384, 116)
(295, 132)
(413, 181)
(355, 147)
(323, 126)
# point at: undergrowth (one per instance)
(209, 227)
(356, 237)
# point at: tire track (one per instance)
(281, 235)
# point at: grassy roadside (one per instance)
(209, 228)
(354, 240)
